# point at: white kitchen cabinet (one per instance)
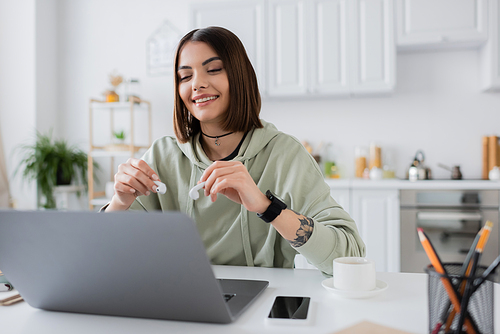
(245, 18)
(311, 47)
(372, 47)
(329, 47)
(286, 47)
(441, 23)
(490, 56)
(351, 47)
(376, 213)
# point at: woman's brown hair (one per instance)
(244, 97)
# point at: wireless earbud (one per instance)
(162, 188)
(193, 193)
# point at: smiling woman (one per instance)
(227, 66)
(241, 162)
(203, 85)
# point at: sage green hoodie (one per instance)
(231, 234)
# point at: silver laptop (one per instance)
(147, 265)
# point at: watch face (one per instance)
(270, 195)
(275, 199)
(274, 209)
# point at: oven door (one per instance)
(451, 231)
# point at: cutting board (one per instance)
(370, 327)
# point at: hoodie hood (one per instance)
(254, 142)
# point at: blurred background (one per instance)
(56, 55)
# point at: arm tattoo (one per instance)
(304, 232)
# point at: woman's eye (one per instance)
(215, 70)
(184, 78)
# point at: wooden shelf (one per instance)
(105, 153)
(112, 151)
(118, 106)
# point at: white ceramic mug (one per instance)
(354, 274)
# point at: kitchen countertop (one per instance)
(405, 184)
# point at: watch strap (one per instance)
(274, 209)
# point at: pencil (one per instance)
(481, 238)
(438, 266)
(475, 262)
(487, 272)
(11, 300)
(446, 314)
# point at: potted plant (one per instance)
(51, 163)
(119, 136)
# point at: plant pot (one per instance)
(60, 180)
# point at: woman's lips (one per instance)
(203, 101)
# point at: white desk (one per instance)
(403, 306)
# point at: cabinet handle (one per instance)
(449, 216)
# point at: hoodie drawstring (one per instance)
(190, 202)
(245, 233)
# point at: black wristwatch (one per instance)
(274, 209)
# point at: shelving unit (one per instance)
(113, 150)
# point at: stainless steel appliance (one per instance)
(451, 219)
(417, 170)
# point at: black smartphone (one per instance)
(290, 307)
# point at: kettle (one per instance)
(417, 170)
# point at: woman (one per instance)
(220, 140)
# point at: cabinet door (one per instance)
(376, 213)
(490, 55)
(329, 53)
(372, 46)
(245, 19)
(286, 72)
(441, 22)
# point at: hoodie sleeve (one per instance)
(305, 191)
(334, 235)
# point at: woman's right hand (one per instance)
(134, 178)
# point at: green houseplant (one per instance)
(120, 136)
(51, 163)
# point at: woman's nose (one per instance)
(199, 82)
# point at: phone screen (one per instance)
(286, 307)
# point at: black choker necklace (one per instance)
(217, 143)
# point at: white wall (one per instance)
(97, 37)
(47, 67)
(437, 105)
(17, 89)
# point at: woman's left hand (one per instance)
(231, 179)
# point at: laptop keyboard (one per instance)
(228, 296)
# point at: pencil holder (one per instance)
(480, 306)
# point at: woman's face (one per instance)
(203, 83)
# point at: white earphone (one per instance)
(193, 193)
(162, 188)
